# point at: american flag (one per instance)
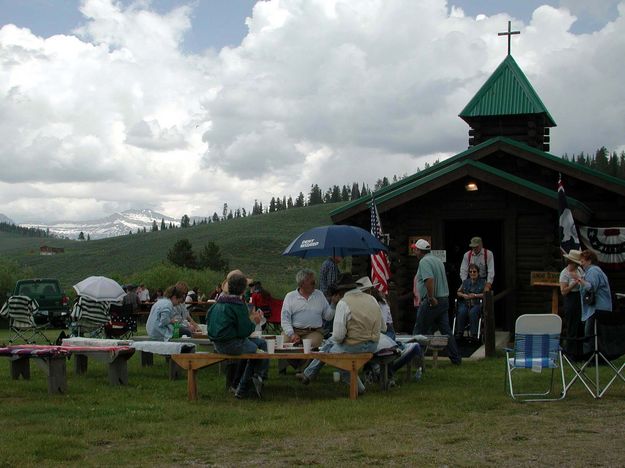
(380, 268)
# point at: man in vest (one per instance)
(356, 329)
(483, 258)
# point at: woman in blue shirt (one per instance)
(594, 280)
(470, 295)
(160, 324)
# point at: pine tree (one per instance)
(299, 201)
(315, 197)
(154, 226)
(181, 254)
(163, 227)
(211, 257)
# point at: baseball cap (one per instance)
(421, 244)
(475, 241)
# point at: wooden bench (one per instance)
(52, 360)
(344, 361)
(49, 358)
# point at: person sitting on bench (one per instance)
(230, 326)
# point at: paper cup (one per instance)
(307, 342)
(271, 346)
(279, 341)
(336, 377)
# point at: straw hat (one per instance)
(574, 256)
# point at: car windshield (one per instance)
(39, 289)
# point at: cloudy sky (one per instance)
(183, 105)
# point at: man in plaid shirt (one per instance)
(329, 274)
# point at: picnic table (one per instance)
(351, 362)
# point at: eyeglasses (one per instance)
(473, 271)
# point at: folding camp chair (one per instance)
(536, 347)
(89, 318)
(597, 357)
(274, 320)
(21, 311)
(123, 323)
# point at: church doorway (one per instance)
(457, 235)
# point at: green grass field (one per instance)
(453, 416)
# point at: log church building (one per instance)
(503, 188)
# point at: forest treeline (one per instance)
(602, 160)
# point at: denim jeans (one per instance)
(390, 331)
(409, 352)
(252, 366)
(432, 318)
(331, 347)
(468, 313)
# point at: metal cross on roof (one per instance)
(509, 33)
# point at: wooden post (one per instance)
(489, 324)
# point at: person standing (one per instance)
(594, 282)
(329, 273)
(483, 258)
(569, 288)
(434, 294)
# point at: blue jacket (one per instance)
(598, 283)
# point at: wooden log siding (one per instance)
(530, 235)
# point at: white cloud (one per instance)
(117, 116)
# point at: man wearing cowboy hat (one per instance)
(356, 329)
(433, 292)
(484, 260)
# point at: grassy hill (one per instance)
(252, 244)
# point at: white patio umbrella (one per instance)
(100, 288)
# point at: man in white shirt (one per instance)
(304, 310)
(483, 258)
(143, 294)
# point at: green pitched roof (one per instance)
(506, 92)
(453, 163)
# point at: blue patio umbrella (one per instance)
(336, 240)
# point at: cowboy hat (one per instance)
(574, 256)
(364, 283)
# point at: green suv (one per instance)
(53, 303)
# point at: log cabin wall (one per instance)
(527, 241)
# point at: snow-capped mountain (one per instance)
(5, 219)
(117, 224)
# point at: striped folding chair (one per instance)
(89, 318)
(536, 347)
(21, 310)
